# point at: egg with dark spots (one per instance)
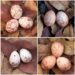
(25, 55)
(14, 59)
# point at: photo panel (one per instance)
(37, 37)
(56, 18)
(18, 18)
(18, 56)
(56, 56)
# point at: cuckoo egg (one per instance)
(25, 55)
(63, 63)
(57, 48)
(62, 19)
(14, 59)
(48, 62)
(49, 18)
(12, 25)
(16, 11)
(26, 22)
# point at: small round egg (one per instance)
(12, 25)
(62, 19)
(48, 62)
(14, 59)
(63, 63)
(25, 55)
(26, 22)
(49, 18)
(57, 48)
(16, 11)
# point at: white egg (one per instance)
(16, 11)
(25, 55)
(14, 59)
(62, 19)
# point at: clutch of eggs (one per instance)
(15, 58)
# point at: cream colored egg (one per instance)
(26, 22)
(16, 11)
(63, 63)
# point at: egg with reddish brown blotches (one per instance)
(26, 22)
(16, 11)
(63, 63)
(49, 18)
(62, 19)
(48, 62)
(12, 25)
(57, 48)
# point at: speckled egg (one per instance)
(63, 63)
(57, 48)
(16, 11)
(12, 25)
(62, 19)
(49, 18)
(26, 22)
(25, 55)
(48, 62)
(14, 59)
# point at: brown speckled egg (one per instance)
(62, 19)
(57, 48)
(16, 11)
(12, 25)
(49, 18)
(48, 62)
(63, 63)
(26, 22)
